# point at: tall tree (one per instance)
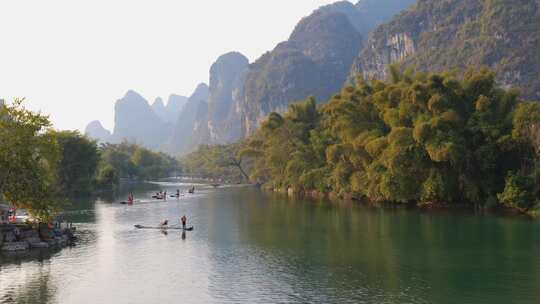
(79, 161)
(29, 161)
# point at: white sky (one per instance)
(73, 59)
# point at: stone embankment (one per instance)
(15, 238)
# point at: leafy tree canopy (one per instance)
(423, 138)
(29, 161)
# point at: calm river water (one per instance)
(254, 247)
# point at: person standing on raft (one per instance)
(184, 221)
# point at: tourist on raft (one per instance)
(184, 221)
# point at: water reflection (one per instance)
(37, 289)
(397, 255)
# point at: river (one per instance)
(255, 247)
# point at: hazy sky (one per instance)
(73, 59)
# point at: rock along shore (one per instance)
(20, 238)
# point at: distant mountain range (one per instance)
(169, 113)
(136, 121)
(326, 50)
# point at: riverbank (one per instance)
(23, 238)
(428, 207)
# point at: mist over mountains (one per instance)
(190, 129)
(325, 51)
(96, 131)
(227, 76)
(169, 113)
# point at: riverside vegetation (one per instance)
(217, 162)
(132, 162)
(425, 139)
(40, 167)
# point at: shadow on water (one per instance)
(18, 258)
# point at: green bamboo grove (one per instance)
(419, 138)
